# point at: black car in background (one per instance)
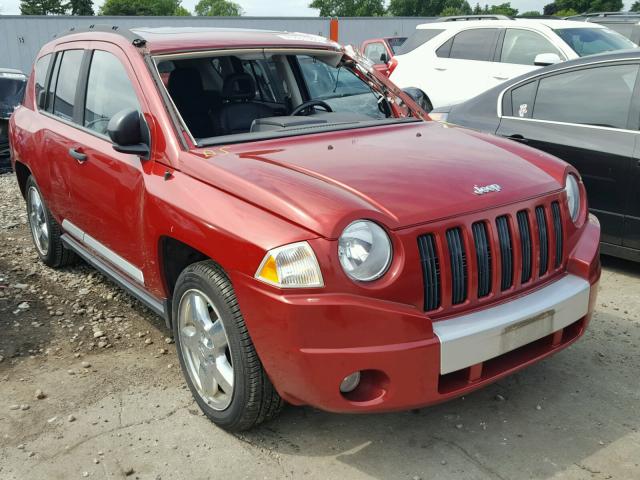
(12, 85)
(586, 112)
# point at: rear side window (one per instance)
(579, 96)
(42, 66)
(395, 43)
(419, 37)
(522, 99)
(67, 83)
(522, 46)
(476, 44)
(109, 91)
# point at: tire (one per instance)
(203, 292)
(53, 253)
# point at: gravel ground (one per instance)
(90, 387)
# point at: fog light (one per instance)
(350, 382)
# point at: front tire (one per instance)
(216, 353)
(45, 231)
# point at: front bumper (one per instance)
(308, 342)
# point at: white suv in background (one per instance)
(452, 61)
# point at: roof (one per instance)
(547, 22)
(11, 70)
(171, 39)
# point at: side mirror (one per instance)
(384, 58)
(544, 59)
(129, 133)
(419, 97)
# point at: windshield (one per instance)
(239, 97)
(589, 41)
(395, 43)
(11, 93)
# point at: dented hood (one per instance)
(399, 175)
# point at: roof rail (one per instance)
(135, 39)
(538, 17)
(604, 14)
(461, 18)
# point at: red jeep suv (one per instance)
(306, 232)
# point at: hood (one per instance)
(400, 175)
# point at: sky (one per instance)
(292, 8)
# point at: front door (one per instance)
(107, 188)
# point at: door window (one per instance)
(67, 83)
(42, 65)
(593, 96)
(522, 46)
(109, 91)
(374, 52)
(475, 44)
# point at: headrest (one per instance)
(185, 81)
(239, 86)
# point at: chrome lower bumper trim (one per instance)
(476, 337)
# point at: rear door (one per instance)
(631, 238)
(464, 66)
(570, 115)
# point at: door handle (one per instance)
(498, 77)
(518, 138)
(78, 155)
(440, 69)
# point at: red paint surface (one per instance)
(235, 203)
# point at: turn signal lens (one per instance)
(291, 266)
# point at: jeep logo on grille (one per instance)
(486, 189)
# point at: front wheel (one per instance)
(216, 354)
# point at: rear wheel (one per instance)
(216, 354)
(45, 231)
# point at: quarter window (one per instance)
(522, 100)
(109, 91)
(522, 46)
(42, 65)
(475, 44)
(595, 96)
(67, 84)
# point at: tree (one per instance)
(349, 8)
(635, 7)
(141, 7)
(181, 12)
(503, 9)
(80, 7)
(456, 7)
(42, 7)
(532, 13)
(218, 8)
(416, 8)
(561, 7)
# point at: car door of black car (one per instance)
(586, 117)
(632, 220)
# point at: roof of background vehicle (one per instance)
(547, 22)
(11, 70)
(185, 39)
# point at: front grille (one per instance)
(506, 252)
(557, 228)
(430, 271)
(517, 240)
(543, 241)
(458, 260)
(483, 257)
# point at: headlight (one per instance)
(364, 250)
(291, 266)
(573, 196)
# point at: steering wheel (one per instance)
(307, 107)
